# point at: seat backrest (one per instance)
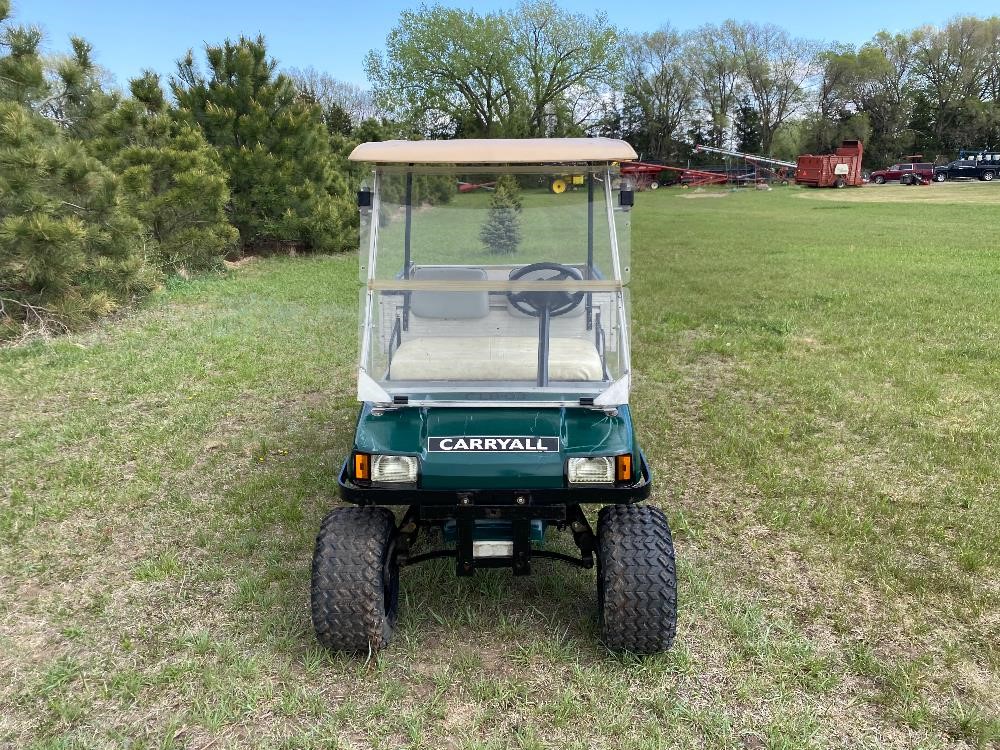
(449, 305)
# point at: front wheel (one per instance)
(654, 185)
(940, 177)
(840, 182)
(988, 176)
(879, 179)
(355, 580)
(636, 579)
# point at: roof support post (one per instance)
(590, 247)
(406, 247)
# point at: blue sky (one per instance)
(334, 36)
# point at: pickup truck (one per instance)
(984, 166)
(903, 172)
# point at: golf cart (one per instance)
(494, 380)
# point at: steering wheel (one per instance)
(556, 302)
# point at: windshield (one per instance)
(488, 287)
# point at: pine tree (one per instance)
(509, 184)
(174, 181)
(502, 231)
(69, 250)
(76, 99)
(338, 121)
(286, 183)
(22, 76)
(747, 128)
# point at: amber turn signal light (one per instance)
(623, 468)
(362, 466)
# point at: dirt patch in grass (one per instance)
(696, 194)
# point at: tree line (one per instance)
(539, 70)
(105, 192)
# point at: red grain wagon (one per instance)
(839, 169)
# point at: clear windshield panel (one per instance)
(480, 292)
(464, 218)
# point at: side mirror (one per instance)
(626, 195)
(365, 199)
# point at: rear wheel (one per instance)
(636, 579)
(355, 580)
(940, 177)
(988, 176)
(558, 186)
(654, 185)
(840, 182)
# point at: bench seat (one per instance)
(494, 358)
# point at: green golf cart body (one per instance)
(494, 377)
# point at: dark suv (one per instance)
(903, 172)
(985, 166)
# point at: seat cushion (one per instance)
(449, 305)
(494, 358)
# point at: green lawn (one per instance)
(817, 390)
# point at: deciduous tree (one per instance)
(528, 72)
(776, 69)
(562, 56)
(957, 66)
(659, 90)
(344, 105)
(711, 58)
(451, 65)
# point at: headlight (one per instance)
(394, 469)
(600, 469)
(596, 470)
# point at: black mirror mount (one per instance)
(626, 195)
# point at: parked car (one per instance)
(984, 166)
(960, 169)
(897, 172)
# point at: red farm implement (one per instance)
(645, 175)
(468, 187)
(756, 168)
(839, 169)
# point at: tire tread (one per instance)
(638, 579)
(347, 596)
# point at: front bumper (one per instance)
(628, 493)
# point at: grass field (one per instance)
(817, 390)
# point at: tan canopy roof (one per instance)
(495, 151)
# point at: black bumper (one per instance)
(628, 493)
